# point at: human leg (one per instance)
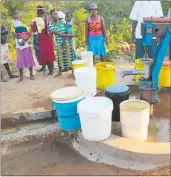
(152, 50)
(139, 51)
(102, 58)
(31, 73)
(11, 76)
(21, 75)
(50, 67)
(2, 79)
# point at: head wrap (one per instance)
(92, 6)
(40, 10)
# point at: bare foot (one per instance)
(20, 80)
(32, 78)
(57, 75)
(50, 74)
(2, 80)
(72, 76)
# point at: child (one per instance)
(21, 32)
(69, 30)
(5, 53)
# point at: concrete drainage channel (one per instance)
(117, 151)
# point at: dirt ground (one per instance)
(36, 94)
(50, 157)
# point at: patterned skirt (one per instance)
(36, 46)
(65, 53)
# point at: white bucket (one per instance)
(96, 118)
(86, 80)
(87, 56)
(134, 117)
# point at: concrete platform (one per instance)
(125, 153)
(117, 151)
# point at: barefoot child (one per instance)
(24, 53)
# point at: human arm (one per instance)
(61, 34)
(134, 17)
(104, 30)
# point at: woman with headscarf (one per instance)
(45, 40)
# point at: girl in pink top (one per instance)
(95, 33)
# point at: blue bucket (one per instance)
(70, 123)
(67, 113)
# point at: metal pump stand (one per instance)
(148, 84)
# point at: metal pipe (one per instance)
(132, 72)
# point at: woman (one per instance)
(45, 41)
(24, 55)
(95, 33)
(63, 42)
(5, 53)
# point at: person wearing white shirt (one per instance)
(140, 10)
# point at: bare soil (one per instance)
(50, 157)
(36, 93)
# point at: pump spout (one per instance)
(131, 72)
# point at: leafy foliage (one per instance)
(79, 26)
(115, 14)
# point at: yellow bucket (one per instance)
(78, 64)
(105, 74)
(164, 75)
(138, 66)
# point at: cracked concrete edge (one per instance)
(28, 133)
(122, 156)
(26, 116)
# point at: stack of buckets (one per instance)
(85, 74)
(76, 107)
(65, 102)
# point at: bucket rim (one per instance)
(78, 62)
(82, 104)
(134, 100)
(80, 92)
(99, 65)
(126, 89)
(86, 53)
(81, 97)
